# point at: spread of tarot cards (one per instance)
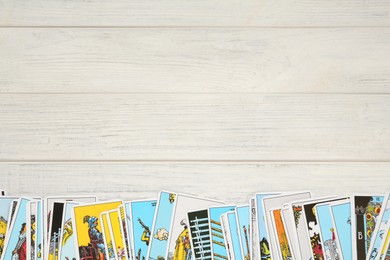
(273, 225)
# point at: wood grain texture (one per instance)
(283, 13)
(195, 127)
(232, 182)
(194, 60)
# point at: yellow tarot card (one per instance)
(89, 230)
(116, 234)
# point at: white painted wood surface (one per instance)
(218, 98)
(179, 13)
(267, 60)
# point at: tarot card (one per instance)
(230, 233)
(263, 249)
(16, 243)
(365, 209)
(48, 207)
(55, 229)
(253, 234)
(14, 206)
(199, 231)
(5, 212)
(170, 227)
(282, 245)
(304, 250)
(87, 228)
(290, 230)
(312, 227)
(243, 224)
(32, 210)
(125, 231)
(218, 244)
(380, 230)
(39, 231)
(116, 235)
(108, 244)
(67, 250)
(277, 201)
(341, 218)
(330, 246)
(385, 247)
(141, 215)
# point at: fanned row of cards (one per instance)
(175, 226)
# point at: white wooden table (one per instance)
(216, 98)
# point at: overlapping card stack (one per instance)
(175, 226)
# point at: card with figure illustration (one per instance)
(16, 238)
(88, 228)
(109, 253)
(48, 207)
(118, 242)
(243, 224)
(341, 219)
(32, 210)
(384, 249)
(5, 212)
(169, 225)
(141, 215)
(328, 238)
(283, 245)
(230, 233)
(199, 233)
(380, 231)
(277, 201)
(67, 250)
(312, 227)
(290, 230)
(365, 209)
(263, 249)
(218, 243)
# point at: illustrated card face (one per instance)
(31, 230)
(179, 246)
(218, 244)
(67, 242)
(243, 224)
(290, 230)
(263, 250)
(385, 247)
(380, 231)
(116, 235)
(39, 231)
(48, 207)
(341, 217)
(229, 226)
(301, 236)
(161, 229)
(199, 230)
(55, 229)
(5, 212)
(277, 201)
(254, 238)
(283, 245)
(330, 246)
(88, 229)
(108, 243)
(312, 227)
(365, 209)
(14, 206)
(170, 225)
(16, 240)
(142, 215)
(125, 230)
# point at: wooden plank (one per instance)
(232, 182)
(195, 127)
(194, 60)
(194, 13)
